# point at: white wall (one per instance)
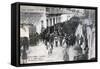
(24, 32)
(5, 36)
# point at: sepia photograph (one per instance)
(56, 34)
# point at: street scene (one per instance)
(56, 34)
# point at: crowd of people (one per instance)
(75, 34)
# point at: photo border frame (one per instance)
(17, 28)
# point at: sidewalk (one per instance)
(39, 53)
